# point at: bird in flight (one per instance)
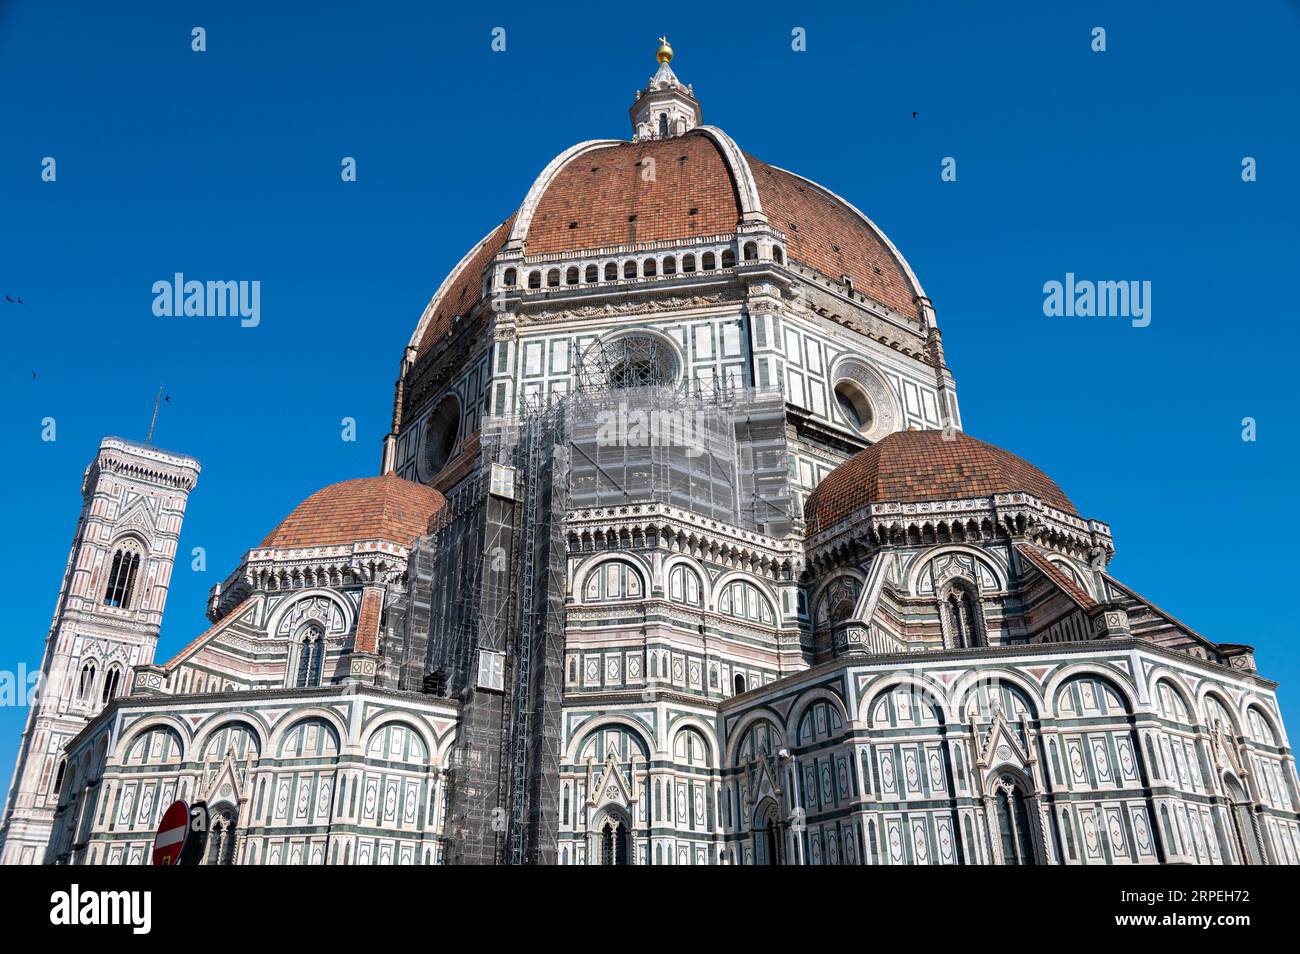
(14, 301)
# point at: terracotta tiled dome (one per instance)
(602, 194)
(909, 466)
(369, 508)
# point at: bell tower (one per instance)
(106, 621)
(665, 108)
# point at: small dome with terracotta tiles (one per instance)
(912, 466)
(368, 508)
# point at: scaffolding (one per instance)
(490, 579)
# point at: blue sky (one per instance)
(225, 164)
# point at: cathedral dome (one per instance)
(607, 193)
(369, 508)
(912, 466)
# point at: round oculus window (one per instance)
(440, 435)
(855, 406)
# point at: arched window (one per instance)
(553, 278)
(86, 685)
(684, 586)
(592, 274)
(728, 259)
(112, 679)
(629, 269)
(650, 268)
(571, 276)
(611, 272)
(1243, 828)
(663, 125)
(221, 838)
(1260, 728)
(965, 619)
(767, 841)
(743, 600)
(670, 266)
(689, 748)
(709, 262)
(510, 277)
(1170, 704)
(688, 264)
(613, 842)
(311, 656)
(836, 603)
(738, 683)
(778, 256)
(534, 279)
(613, 580)
(121, 578)
(751, 251)
(58, 778)
(1013, 823)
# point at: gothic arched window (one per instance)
(836, 603)
(613, 843)
(311, 656)
(112, 679)
(663, 125)
(965, 619)
(121, 577)
(1013, 823)
(86, 685)
(221, 838)
(1243, 828)
(768, 838)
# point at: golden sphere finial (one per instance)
(665, 52)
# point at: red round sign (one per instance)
(173, 829)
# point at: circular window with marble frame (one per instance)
(863, 401)
(441, 435)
